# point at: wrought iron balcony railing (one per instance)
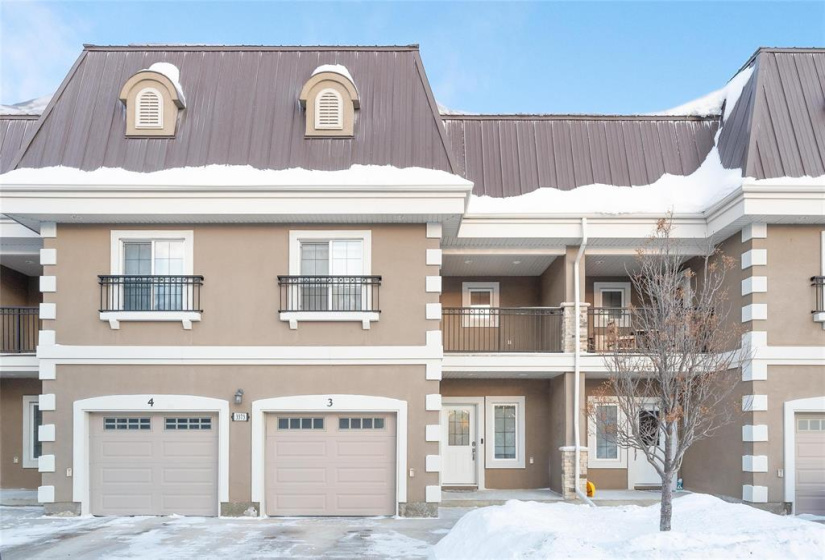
(502, 329)
(610, 329)
(317, 294)
(20, 327)
(818, 283)
(150, 293)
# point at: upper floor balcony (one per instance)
(136, 297)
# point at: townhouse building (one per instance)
(279, 281)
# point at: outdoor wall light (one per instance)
(239, 396)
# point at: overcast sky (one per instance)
(550, 57)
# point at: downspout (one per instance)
(576, 357)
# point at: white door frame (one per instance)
(813, 404)
(478, 402)
(140, 403)
(325, 404)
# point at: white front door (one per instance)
(639, 470)
(459, 452)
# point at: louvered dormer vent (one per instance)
(329, 114)
(149, 109)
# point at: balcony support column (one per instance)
(569, 326)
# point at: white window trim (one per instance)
(295, 239)
(593, 462)
(29, 461)
(321, 404)
(140, 403)
(490, 432)
(118, 240)
(623, 287)
(340, 99)
(159, 124)
(482, 320)
(820, 317)
(791, 408)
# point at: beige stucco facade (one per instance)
(240, 294)
(13, 474)
(406, 383)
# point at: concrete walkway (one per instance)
(482, 498)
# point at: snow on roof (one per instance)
(711, 104)
(238, 176)
(444, 110)
(172, 72)
(692, 193)
(30, 107)
(336, 68)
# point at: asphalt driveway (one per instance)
(26, 533)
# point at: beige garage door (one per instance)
(153, 464)
(332, 464)
(810, 463)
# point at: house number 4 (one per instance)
(151, 402)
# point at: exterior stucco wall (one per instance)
(240, 295)
(554, 283)
(785, 383)
(17, 289)
(794, 256)
(514, 291)
(13, 475)
(406, 383)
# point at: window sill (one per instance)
(186, 318)
(363, 317)
(504, 464)
(819, 317)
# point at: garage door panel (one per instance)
(362, 448)
(330, 471)
(154, 471)
(810, 464)
(116, 475)
(136, 450)
(300, 449)
(298, 474)
(361, 475)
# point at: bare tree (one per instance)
(671, 359)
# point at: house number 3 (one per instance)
(329, 402)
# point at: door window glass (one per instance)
(458, 426)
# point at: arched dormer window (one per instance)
(329, 111)
(153, 99)
(149, 109)
(330, 99)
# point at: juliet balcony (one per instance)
(329, 298)
(151, 298)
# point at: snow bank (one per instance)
(30, 107)
(703, 527)
(444, 110)
(692, 193)
(711, 104)
(173, 73)
(237, 176)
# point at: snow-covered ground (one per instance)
(703, 527)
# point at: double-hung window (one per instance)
(332, 271)
(153, 271)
